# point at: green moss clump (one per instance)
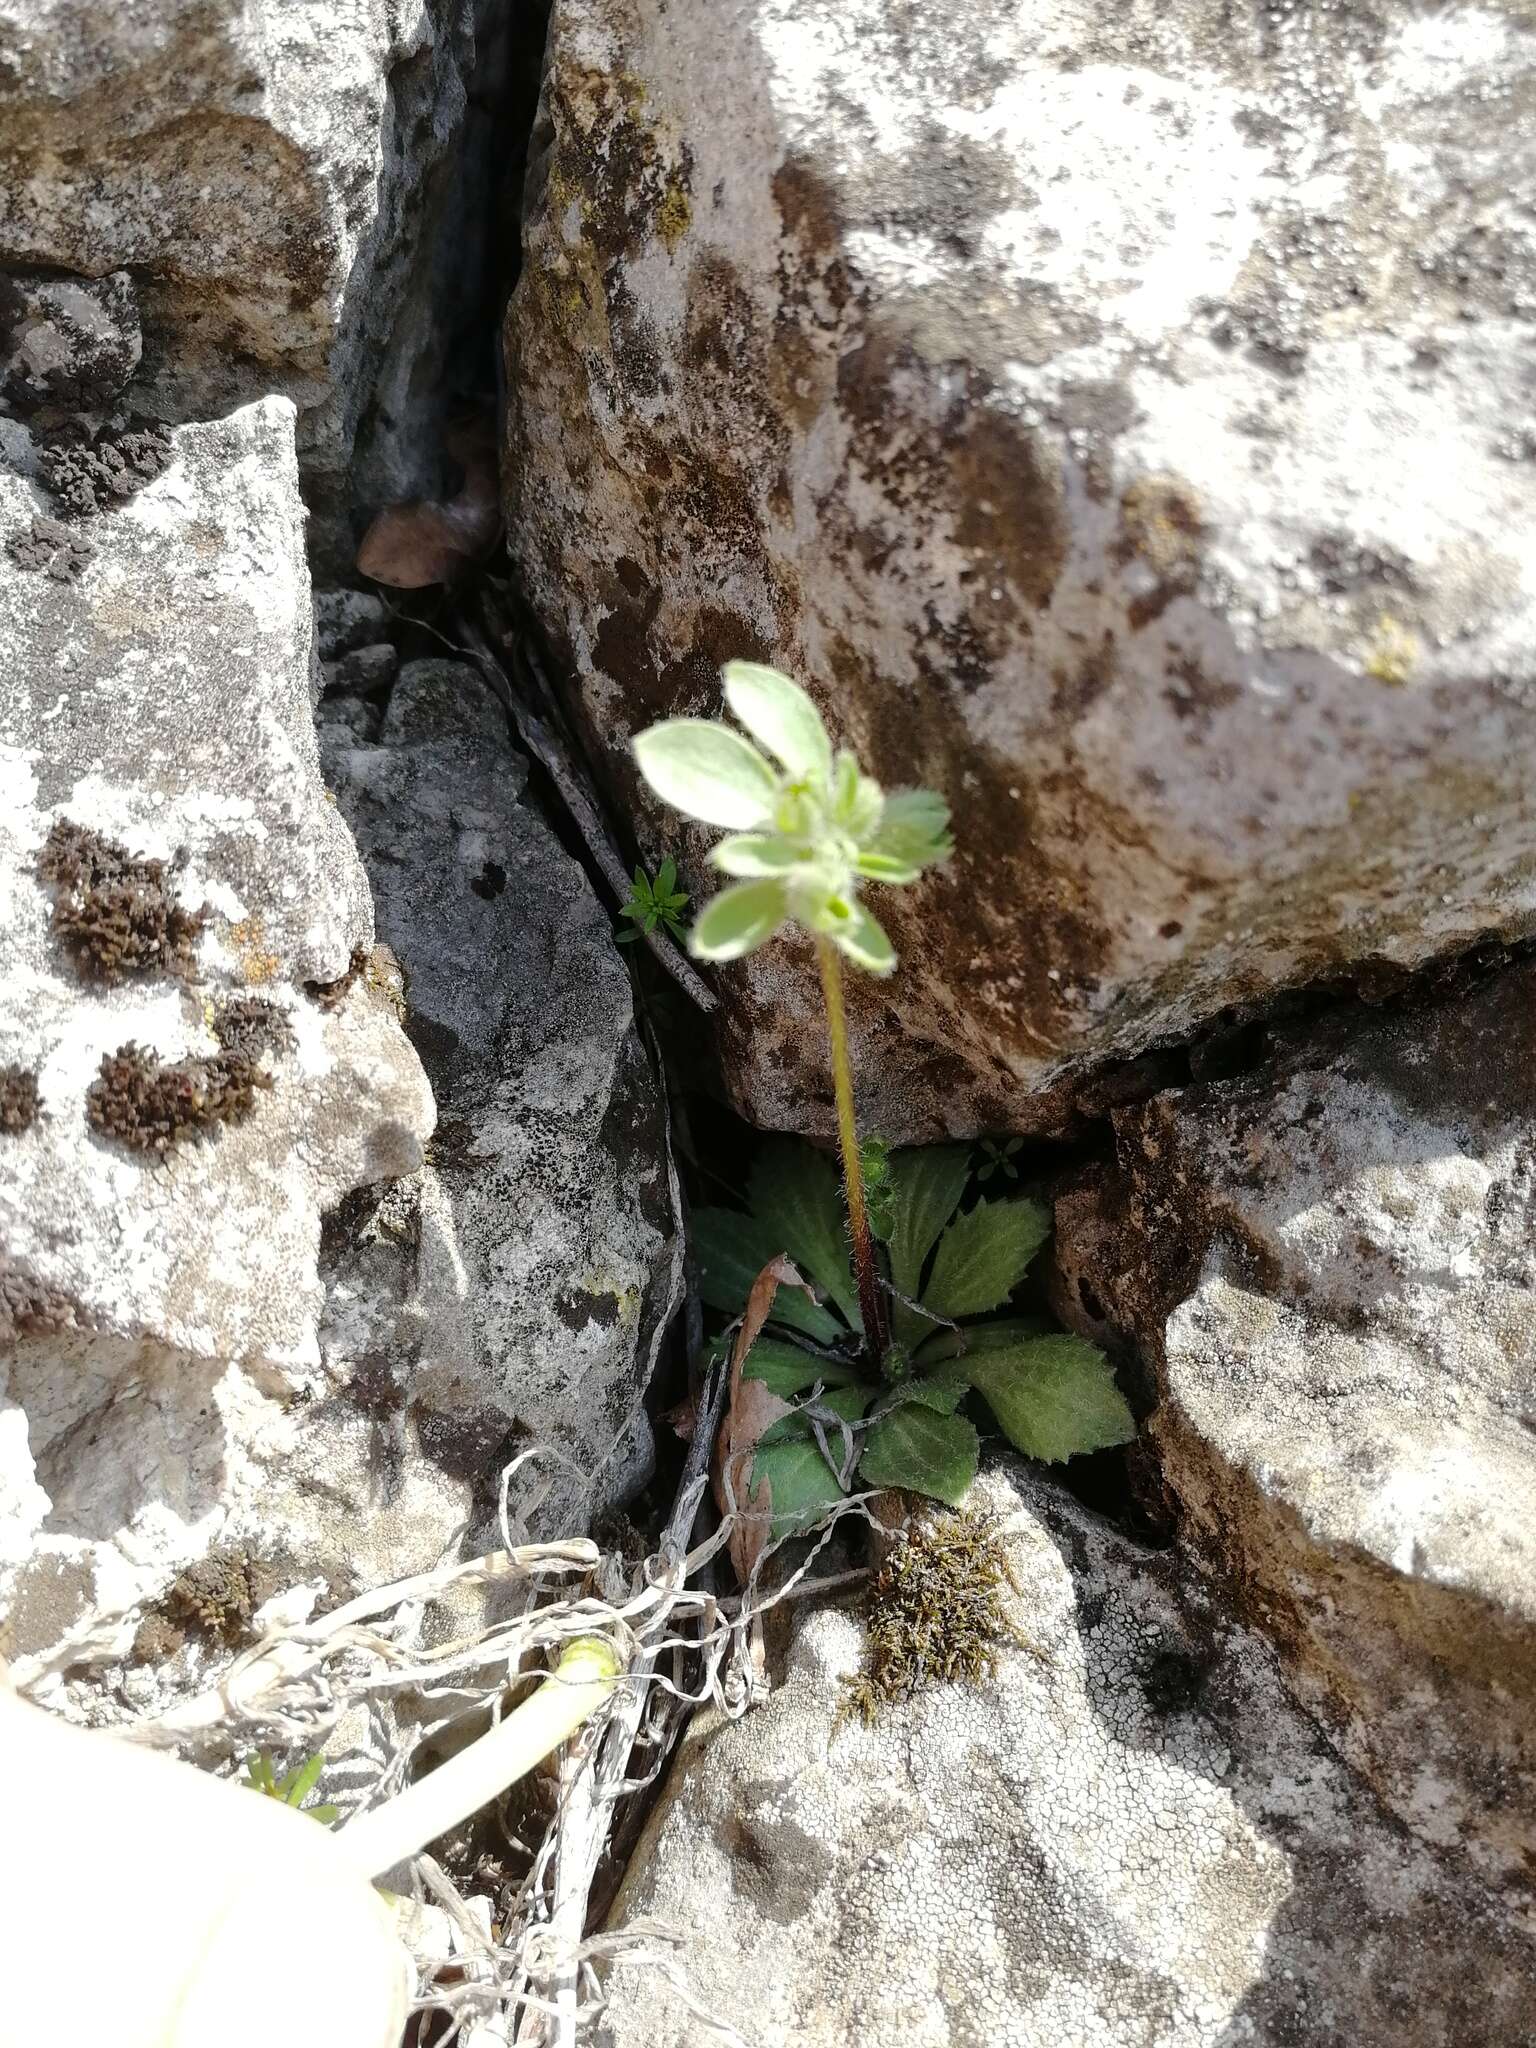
(152, 1105)
(112, 909)
(934, 1613)
(18, 1099)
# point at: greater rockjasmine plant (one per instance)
(884, 1361)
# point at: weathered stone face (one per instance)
(517, 1291)
(1129, 1838)
(1330, 1266)
(1122, 420)
(159, 1309)
(286, 184)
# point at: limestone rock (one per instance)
(161, 1305)
(1121, 418)
(1330, 1266)
(521, 1293)
(1129, 1838)
(287, 183)
(68, 343)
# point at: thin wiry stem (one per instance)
(871, 1301)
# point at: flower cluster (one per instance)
(804, 834)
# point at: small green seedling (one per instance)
(293, 1788)
(655, 904)
(999, 1159)
(911, 1324)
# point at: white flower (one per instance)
(803, 834)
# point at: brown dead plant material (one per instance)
(751, 1409)
(114, 911)
(431, 540)
(934, 1612)
(152, 1105)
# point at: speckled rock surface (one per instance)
(1122, 417)
(161, 1308)
(291, 186)
(1129, 1839)
(1330, 1266)
(517, 1289)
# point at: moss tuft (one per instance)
(18, 1099)
(152, 1105)
(112, 909)
(216, 1597)
(934, 1613)
(252, 1027)
(87, 477)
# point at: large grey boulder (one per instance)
(1329, 1265)
(1128, 1838)
(291, 186)
(517, 1291)
(1122, 418)
(198, 1058)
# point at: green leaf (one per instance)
(756, 853)
(913, 833)
(707, 771)
(941, 1391)
(917, 1448)
(300, 1783)
(804, 1484)
(797, 1197)
(326, 1815)
(786, 1370)
(927, 1182)
(739, 920)
(1054, 1397)
(780, 716)
(849, 1402)
(958, 1344)
(865, 942)
(732, 1250)
(984, 1255)
(666, 878)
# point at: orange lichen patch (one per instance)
(256, 963)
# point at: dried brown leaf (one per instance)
(749, 1411)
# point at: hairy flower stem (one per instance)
(871, 1301)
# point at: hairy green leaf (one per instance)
(848, 1402)
(786, 1370)
(927, 1182)
(732, 1250)
(958, 1344)
(923, 1451)
(942, 1391)
(798, 1200)
(802, 1483)
(984, 1255)
(708, 771)
(1053, 1397)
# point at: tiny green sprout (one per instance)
(652, 904)
(998, 1157)
(293, 1788)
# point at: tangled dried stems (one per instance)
(541, 1978)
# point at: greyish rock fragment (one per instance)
(294, 188)
(523, 1298)
(1129, 1838)
(1116, 415)
(178, 902)
(1329, 1265)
